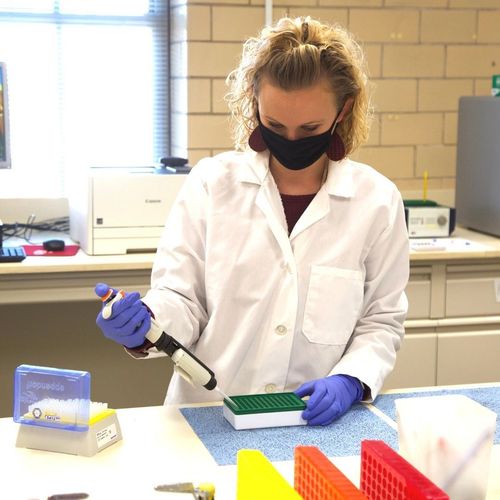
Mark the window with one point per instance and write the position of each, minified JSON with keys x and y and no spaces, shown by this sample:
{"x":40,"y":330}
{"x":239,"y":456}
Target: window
{"x":88,"y":86}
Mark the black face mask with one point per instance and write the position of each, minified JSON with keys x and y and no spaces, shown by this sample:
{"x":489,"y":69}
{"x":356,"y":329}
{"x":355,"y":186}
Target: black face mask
{"x":297,"y":154}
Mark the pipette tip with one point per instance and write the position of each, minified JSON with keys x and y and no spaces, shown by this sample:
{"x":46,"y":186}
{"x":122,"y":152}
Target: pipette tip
{"x":225,"y":396}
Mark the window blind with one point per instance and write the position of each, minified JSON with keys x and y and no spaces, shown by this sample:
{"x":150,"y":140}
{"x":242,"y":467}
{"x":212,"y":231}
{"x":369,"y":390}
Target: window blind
{"x":88,"y":85}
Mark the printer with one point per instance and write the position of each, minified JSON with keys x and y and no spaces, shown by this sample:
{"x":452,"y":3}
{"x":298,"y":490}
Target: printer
{"x":122,"y":210}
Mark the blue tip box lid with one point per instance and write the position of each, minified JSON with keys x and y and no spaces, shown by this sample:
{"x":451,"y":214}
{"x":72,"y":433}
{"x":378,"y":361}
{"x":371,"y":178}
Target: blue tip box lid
{"x":52,"y":397}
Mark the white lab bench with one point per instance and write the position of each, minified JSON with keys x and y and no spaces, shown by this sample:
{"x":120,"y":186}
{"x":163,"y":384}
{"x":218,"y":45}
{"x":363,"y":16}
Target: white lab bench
{"x":453,"y":324}
{"x":433,"y":280}
{"x":48,"y":310}
{"x":158,"y":447}
{"x":61,"y":279}
{"x":452,"y":330}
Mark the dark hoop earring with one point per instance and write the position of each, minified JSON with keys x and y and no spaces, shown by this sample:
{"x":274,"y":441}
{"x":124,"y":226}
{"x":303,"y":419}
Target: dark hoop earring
{"x":256,"y":141}
{"x":336,"y":148}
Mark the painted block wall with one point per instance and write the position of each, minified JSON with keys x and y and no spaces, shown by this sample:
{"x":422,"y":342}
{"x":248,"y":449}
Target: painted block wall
{"x":422,"y":56}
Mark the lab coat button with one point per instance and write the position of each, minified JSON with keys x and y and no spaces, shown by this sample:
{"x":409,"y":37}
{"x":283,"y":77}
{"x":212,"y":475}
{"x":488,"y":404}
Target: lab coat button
{"x":270,"y":388}
{"x":281,"y":329}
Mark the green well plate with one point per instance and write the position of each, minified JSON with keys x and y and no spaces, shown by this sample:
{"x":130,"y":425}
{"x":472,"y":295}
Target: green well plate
{"x":265,"y":403}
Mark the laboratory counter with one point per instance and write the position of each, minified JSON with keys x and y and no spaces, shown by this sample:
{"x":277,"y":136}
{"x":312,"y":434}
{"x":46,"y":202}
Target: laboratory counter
{"x":47,"y":279}
{"x":463,"y":244}
{"x":165,"y":445}
{"x":48,"y":309}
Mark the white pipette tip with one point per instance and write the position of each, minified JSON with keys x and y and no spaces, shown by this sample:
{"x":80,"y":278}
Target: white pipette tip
{"x":220,"y":391}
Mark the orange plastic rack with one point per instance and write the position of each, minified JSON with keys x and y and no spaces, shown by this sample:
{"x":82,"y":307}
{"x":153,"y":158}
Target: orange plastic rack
{"x":316,"y":478}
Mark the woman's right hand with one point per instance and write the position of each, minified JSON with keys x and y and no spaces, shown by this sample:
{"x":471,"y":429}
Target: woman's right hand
{"x":129,"y":320}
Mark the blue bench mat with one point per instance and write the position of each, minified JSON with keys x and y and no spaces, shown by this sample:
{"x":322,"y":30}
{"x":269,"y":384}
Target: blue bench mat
{"x":342,"y":438}
{"x":487,"y":396}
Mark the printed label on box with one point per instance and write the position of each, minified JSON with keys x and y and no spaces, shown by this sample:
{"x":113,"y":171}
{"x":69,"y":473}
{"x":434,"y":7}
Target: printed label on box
{"x":106,"y":435}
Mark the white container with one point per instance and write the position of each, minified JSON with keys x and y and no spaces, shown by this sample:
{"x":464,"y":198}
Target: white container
{"x":263,"y":420}
{"x":449,"y":439}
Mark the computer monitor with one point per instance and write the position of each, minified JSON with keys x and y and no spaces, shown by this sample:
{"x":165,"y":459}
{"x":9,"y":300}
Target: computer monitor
{"x":4,"y":120}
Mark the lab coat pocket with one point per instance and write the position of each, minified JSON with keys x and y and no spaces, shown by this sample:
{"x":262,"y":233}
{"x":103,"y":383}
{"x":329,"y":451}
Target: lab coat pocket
{"x":333,"y":303}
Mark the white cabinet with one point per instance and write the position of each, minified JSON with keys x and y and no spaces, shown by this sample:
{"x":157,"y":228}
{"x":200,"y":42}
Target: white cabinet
{"x":453,"y":323}
{"x":415,"y":362}
{"x":468,"y":357}
{"x":472,"y":290}
{"x":418,"y":292}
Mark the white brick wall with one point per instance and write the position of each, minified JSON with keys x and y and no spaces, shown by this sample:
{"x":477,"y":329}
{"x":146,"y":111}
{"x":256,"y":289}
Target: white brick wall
{"x":422,"y":56}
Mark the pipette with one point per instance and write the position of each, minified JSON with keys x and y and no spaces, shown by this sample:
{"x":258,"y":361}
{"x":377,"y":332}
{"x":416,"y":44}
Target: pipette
{"x":186,"y":364}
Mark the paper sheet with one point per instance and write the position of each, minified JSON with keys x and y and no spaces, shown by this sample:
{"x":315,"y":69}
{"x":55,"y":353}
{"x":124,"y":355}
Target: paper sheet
{"x":445,"y":244}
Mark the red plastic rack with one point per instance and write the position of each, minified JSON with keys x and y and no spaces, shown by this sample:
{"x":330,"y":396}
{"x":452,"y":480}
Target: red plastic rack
{"x":316,"y":478}
{"x":386,"y":475}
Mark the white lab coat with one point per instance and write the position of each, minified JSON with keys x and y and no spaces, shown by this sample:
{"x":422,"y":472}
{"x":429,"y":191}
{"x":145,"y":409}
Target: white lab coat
{"x":267,"y":311}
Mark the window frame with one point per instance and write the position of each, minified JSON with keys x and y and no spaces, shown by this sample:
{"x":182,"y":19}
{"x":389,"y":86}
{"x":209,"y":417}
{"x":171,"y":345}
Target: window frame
{"x":158,"y":19}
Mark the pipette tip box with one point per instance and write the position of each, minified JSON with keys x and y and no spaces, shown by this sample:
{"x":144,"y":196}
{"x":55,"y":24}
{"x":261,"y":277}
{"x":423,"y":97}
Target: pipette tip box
{"x":257,"y":411}
{"x":55,"y":412}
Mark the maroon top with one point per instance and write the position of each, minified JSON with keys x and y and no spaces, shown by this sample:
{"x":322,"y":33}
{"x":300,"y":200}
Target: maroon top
{"x":295,"y":205}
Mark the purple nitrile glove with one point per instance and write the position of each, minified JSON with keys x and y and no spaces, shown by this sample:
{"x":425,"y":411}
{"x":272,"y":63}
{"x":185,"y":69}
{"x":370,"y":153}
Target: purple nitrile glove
{"x":129,"y":322}
{"x":330,"y":398}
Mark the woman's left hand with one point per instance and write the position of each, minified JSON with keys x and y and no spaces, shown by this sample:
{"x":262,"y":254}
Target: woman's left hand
{"x":330,"y":397}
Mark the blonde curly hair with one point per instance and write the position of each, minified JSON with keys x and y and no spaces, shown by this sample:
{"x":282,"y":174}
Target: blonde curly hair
{"x":294,"y":54}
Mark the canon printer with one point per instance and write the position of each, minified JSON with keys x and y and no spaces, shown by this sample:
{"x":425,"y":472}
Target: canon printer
{"x":122,"y":210}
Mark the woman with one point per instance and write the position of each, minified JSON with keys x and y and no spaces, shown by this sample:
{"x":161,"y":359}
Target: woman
{"x":283,"y":265}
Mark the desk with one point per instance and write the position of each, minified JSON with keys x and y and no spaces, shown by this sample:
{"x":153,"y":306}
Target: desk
{"x":158,"y":446}
{"x":53,"y":279}
{"x":453,"y":325}
{"x":56,"y":279}
{"x":48,"y":310}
